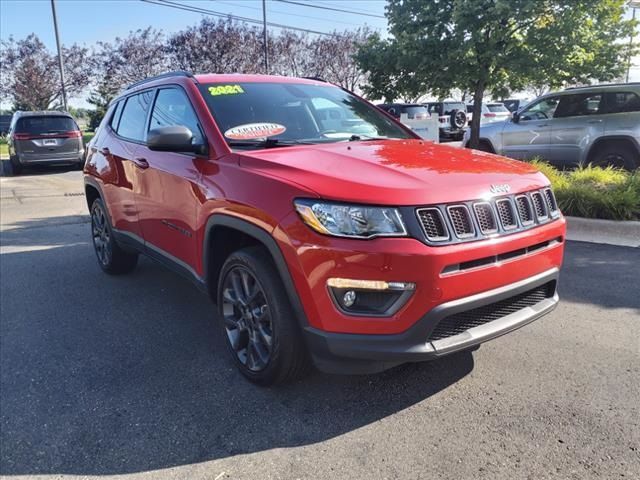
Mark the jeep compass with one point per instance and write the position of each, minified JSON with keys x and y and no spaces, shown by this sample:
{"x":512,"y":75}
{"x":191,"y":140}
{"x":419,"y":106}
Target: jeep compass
{"x":325,"y":232}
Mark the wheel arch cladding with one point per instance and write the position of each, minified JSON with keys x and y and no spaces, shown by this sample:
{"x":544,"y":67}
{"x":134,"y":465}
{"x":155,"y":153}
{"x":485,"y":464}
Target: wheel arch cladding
{"x":225,"y":234}
{"x":615,"y":139}
{"x":91,"y":193}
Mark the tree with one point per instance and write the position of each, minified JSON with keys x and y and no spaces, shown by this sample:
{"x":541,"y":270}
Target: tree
{"x":222,"y":46}
{"x":334,"y":56}
{"x":493,"y":45}
{"x":115,"y":65}
{"x":30,"y":76}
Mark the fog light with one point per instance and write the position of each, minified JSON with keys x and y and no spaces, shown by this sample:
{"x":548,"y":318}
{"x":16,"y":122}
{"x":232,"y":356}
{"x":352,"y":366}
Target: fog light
{"x":377,"y":298}
{"x":349,"y":298}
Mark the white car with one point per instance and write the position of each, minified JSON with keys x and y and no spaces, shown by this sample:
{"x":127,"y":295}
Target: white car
{"x":491,"y":112}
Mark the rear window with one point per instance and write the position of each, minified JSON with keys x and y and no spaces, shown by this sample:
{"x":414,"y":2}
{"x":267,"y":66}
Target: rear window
{"x":449,"y":107}
{"x":416,"y":112}
{"x":45,"y":124}
{"x":497,"y":108}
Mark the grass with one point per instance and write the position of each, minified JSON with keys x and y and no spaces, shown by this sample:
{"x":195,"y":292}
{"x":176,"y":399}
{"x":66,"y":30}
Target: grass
{"x":596,"y":192}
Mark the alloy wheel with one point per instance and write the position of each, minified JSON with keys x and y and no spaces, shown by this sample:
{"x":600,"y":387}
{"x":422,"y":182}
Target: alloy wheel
{"x":101,"y":235}
{"x":247,"y":318}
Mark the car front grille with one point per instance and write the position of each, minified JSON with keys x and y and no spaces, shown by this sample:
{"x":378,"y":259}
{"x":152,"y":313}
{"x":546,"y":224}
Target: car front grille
{"x":461,"y":322}
{"x":476,"y":220}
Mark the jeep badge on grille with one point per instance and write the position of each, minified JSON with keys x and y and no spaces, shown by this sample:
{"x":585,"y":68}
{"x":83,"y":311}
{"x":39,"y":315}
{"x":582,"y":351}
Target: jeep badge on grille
{"x":501,"y":188}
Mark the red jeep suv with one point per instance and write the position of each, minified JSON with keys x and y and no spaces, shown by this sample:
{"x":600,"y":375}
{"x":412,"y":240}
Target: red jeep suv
{"x":326,"y":232}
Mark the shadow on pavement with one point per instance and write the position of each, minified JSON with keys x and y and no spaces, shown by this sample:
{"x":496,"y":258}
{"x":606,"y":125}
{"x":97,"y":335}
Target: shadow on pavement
{"x":112,"y":375}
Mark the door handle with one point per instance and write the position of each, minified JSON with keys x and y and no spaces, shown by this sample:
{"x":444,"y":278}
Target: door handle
{"x":140,"y":162}
{"x":595,"y":121}
{"x":543,"y":125}
{"x":105,"y":151}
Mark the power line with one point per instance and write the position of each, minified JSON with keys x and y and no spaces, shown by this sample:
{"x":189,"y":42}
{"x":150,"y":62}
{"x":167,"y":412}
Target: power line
{"x":213,"y":13}
{"x":280,"y":12}
{"x":324,"y":7}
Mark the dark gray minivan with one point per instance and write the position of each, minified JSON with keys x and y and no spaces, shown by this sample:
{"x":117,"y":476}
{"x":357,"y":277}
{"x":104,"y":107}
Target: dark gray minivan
{"x":50,"y":137}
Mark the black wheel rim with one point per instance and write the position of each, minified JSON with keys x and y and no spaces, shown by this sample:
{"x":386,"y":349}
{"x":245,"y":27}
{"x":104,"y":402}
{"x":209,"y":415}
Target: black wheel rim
{"x":101,"y":235}
{"x":247,"y":319}
{"x":614,"y":160}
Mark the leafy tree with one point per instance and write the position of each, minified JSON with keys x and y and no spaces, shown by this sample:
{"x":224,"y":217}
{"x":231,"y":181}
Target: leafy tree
{"x":30,"y":77}
{"x":115,"y":65}
{"x":493,"y":45}
{"x":222,"y":46}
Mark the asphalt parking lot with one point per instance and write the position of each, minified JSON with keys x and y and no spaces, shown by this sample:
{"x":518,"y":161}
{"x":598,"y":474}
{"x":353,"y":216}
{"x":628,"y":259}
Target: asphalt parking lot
{"x":125,"y":376}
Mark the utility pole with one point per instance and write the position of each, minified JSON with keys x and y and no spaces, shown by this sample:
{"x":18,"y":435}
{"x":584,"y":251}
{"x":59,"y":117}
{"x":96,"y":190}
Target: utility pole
{"x":633,"y":4}
{"x":264,"y":34}
{"x":60,"y":62}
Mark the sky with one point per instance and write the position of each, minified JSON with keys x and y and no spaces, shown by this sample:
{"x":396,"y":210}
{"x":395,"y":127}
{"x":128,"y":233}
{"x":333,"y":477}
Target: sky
{"x":88,"y":21}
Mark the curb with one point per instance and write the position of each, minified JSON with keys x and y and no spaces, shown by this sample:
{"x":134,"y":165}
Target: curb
{"x":611,"y":232}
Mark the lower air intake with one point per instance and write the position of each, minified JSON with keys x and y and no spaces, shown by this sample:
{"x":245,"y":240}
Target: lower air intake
{"x":461,"y":322}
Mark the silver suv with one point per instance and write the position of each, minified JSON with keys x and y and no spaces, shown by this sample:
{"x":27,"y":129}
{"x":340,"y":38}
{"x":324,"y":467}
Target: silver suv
{"x":598,"y":124}
{"x":48,"y":137}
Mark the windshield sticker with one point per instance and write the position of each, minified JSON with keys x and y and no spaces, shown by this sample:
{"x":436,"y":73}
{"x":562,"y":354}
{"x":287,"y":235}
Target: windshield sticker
{"x":225,"y":90}
{"x":255,"y":131}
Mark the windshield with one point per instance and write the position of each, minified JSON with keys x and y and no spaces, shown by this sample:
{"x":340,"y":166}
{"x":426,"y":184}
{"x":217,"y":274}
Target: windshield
{"x":248,"y":114}
{"x":45,"y":124}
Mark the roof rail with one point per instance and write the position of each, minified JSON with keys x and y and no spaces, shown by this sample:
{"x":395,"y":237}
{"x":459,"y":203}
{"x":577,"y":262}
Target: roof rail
{"x":622,"y":84}
{"x":177,"y":73}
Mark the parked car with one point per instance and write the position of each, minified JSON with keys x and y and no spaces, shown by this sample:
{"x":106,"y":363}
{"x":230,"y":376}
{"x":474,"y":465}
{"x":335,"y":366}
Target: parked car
{"x":452,"y":117}
{"x":44,"y":138}
{"x":491,"y":112}
{"x":355,"y":250}
{"x":413,"y":110}
{"x":598,"y":125}
{"x":515,"y":104}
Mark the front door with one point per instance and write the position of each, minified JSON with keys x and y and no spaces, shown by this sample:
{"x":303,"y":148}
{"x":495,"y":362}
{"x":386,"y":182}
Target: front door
{"x":530,"y":137}
{"x":167,"y":185}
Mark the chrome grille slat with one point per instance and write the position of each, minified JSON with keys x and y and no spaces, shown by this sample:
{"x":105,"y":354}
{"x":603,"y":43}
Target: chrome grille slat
{"x":433,"y":224}
{"x":539,"y":205}
{"x":485,"y":217}
{"x":461,"y":220}
{"x":506,"y":213}
{"x":525,"y":210}
{"x":445,"y":224}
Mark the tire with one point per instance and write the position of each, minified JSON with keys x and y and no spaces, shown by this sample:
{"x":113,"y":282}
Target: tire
{"x":458,"y":119}
{"x":617,"y":154}
{"x":16,"y":166}
{"x":485,"y":146}
{"x":111,"y":257}
{"x":258,"y":323}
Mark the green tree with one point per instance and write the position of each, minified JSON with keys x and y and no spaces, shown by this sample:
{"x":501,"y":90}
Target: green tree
{"x":494,"y":45}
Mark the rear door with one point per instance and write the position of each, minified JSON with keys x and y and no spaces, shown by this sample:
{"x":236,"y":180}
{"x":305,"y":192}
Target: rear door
{"x":578,"y":119}
{"x":167,"y":185}
{"x":116,"y":161}
{"x":531,"y":137}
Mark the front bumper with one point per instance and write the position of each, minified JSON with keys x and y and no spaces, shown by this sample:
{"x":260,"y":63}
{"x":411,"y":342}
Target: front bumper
{"x":355,"y":353}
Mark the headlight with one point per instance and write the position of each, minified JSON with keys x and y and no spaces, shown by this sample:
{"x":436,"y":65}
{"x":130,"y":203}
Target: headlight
{"x":355,"y":221}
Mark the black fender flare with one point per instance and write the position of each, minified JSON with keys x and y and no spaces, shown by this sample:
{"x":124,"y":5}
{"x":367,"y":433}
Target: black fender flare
{"x":264,"y":238}
{"x":600,"y":140}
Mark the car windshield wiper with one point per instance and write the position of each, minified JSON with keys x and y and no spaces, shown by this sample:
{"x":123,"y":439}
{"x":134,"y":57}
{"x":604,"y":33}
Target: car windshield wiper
{"x":364,"y":138}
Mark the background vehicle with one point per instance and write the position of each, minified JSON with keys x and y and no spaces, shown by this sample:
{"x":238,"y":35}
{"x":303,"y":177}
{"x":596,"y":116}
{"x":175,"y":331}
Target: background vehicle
{"x":452,"y":118}
{"x":48,"y":137}
{"x":356,"y":249}
{"x":599,"y":124}
{"x":515,"y":104}
{"x":491,"y":112}
{"x":413,"y":110}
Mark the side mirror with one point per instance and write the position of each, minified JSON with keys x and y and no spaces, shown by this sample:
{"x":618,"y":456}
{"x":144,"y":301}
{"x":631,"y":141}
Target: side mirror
{"x":175,"y":138}
{"x":515,"y":116}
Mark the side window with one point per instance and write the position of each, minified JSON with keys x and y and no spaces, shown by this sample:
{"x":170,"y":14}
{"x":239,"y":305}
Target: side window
{"x":172,"y":107}
{"x":134,"y":116}
{"x":622,"y":102}
{"x":541,"y":110}
{"x":578,"y":105}
{"x":115,"y":118}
